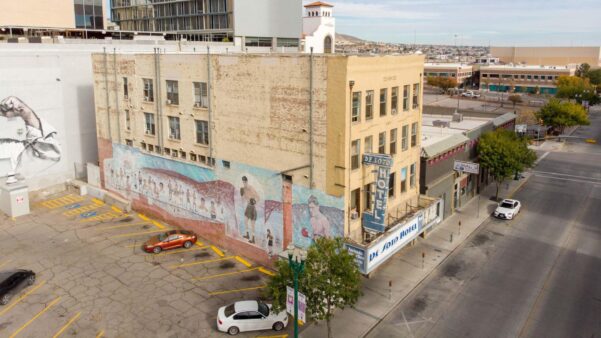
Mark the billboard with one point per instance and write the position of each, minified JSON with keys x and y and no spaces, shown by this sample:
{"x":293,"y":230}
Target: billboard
{"x":376,"y":220}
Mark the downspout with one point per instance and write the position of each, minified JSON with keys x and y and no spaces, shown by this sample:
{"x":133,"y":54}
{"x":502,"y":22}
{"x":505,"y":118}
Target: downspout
{"x":157,"y":97}
{"x":348,"y":158}
{"x":106,"y":87}
{"x":311,"y":181}
{"x":209,"y":104}
{"x":117,"y":96}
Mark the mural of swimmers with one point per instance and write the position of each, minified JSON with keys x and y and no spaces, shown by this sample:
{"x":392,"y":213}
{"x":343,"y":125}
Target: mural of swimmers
{"x":247,"y":200}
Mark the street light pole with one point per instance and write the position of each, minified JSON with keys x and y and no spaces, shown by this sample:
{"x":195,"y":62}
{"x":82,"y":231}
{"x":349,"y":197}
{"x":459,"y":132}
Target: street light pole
{"x":297,"y":264}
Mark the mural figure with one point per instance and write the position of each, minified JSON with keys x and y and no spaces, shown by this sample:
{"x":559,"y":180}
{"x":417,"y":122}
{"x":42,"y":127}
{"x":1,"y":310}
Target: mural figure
{"x":319,"y":222}
{"x":250,"y":195}
{"x":269,"y":243}
{"x":39,"y":140}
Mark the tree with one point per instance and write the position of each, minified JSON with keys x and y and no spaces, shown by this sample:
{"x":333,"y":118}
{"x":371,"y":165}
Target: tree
{"x":576,"y":88}
{"x":444,"y":83}
{"x":560,"y":114}
{"x":331,"y":280}
{"x":504,"y":154}
{"x":515,"y":99}
{"x":583,"y":69}
{"x":594,"y":76}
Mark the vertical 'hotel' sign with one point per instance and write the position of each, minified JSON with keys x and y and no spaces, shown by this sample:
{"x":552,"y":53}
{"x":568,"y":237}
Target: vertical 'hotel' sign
{"x":375,"y":221}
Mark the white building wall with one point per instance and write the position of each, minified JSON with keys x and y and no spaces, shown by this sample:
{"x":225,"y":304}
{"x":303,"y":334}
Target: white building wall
{"x":268,"y":18}
{"x":315,"y":30}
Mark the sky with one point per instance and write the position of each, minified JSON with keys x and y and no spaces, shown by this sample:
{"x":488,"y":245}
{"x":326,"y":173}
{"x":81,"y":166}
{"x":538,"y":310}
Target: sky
{"x":472,"y":22}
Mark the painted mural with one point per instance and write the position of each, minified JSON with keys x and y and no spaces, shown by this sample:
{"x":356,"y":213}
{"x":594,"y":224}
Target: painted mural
{"x":247,"y":200}
{"x":25,"y":136}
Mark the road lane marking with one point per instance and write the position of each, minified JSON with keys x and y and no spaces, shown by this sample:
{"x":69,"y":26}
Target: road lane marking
{"x":568,"y":179}
{"x":35,"y":317}
{"x":74,"y":318}
{"x":116,"y":209}
{"x":133,"y":234}
{"x":236,"y":290}
{"x":276,"y":336}
{"x":542,"y":157}
{"x":100,"y":334}
{"x":200,"y":244}
{"x":567,"y":175}
{"x":201,"y":262}
{"x":22,"y":297}
{"x":200,"y":278}
{"x":266,"y":271}
{"x":62,"y":201}
{"x":102,"y":217}
{"x":217,"y":251}
{"x":243,"y":261}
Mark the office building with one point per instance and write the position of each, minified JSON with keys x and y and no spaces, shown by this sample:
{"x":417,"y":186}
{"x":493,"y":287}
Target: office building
{"x":522,"y":79}
{"x":548,"y":56}
{"x":462,"y":73}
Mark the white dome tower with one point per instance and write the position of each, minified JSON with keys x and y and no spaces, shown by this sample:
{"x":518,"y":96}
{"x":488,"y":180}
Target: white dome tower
{"x":319,"y":28}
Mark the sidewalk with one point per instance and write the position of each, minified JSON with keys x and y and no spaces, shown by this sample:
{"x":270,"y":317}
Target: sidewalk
{"x":404,"y":270}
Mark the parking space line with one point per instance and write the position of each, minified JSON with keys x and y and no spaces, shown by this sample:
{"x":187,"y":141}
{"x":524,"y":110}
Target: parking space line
{"x":237,"y":290}
{"x":276,"y":336}
{"x":200,"y":278}
{"x":200,"y":244}
{"x":217,"y":251}
{"x":22,"y":297}
{"x":74,"y":318}
{"x":120,"y":226}
{"x":171,"y":252}
{"x":100,"y":334}
{"x":62,"y":201}
{"x":116,"y":209}
{"x":81,"y":210}
{"x":35,"y":317}
{"x":102,"y":217}
{"x":243,"y":261}
{"x":97,"y":201}
{"x":142,"y":216}
{"x":201,"y":262}
{"x":266,"y":271}
{"x":158,"y":225}
{"x":133,"y":234}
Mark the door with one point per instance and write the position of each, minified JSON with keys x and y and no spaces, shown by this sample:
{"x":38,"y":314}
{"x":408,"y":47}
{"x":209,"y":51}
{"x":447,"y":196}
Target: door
{"x":256,"y":321}
{"x":171,"y":241}
{"x":241,"y":321}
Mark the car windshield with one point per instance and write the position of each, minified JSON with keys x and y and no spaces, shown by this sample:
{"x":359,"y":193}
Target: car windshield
{"x":229,"y":310}
{"x":264,"y":309}
{"x":507,"y":205}
{"x":163,"y":237}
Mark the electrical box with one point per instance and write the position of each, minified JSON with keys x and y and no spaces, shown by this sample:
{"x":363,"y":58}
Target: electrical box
{"x":14,"y":198}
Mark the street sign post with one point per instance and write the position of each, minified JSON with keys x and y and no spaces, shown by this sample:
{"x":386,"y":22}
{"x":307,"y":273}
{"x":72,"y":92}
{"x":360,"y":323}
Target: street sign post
{"x":302,"y":304}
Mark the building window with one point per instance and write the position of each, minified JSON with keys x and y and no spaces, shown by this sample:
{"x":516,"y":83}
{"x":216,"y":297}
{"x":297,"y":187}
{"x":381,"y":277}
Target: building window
{"x":382,"y":143}
{"x":404,"y":135}
{"x":182,"y":154}
{"x":356,"y":200}
{"x":148,"y":90}
{"x":355,"y":151}
{"x":201,"y":95}
{"x":253,"y":41}
{"x":383,"y":100}
{"x":174,"y":153}
{"x":391,"y":185}
{"x":356,"y":111}
{"x":394,"y":100}
{"x":412,"y":176}
{"x":150,"y":147}
{"x":127,"y":120}
{"x":125,"y":88}
{"x":369,"y":190}
{"x":172,"y":92}
{"x":414,"y":134}
{"x":202,"y":132}
{"x":131,"y":143}
{"x":403,"y":180}
{"x":393,"y":137}
{"x":149,"y":122}
{"x":167,"y":151}
{"x":226,"y":164}
{"x":415,"y":95}
{"x":157,"y":149}
{"x":174,"y":131}
{"x":369,"y":105}
{"x":287,"y":42}
{"x":406,"y":97}
{"x":368,"y":146}
{"x":192,"y":157}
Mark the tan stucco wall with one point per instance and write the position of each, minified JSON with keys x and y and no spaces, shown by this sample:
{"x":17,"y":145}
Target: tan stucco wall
{"x":36,"y":13}
{"x":548,"y":56}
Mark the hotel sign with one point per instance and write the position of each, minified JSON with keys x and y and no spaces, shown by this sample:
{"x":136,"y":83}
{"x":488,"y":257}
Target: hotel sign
{"x":375,"y":220}
{"x":468,"y":167}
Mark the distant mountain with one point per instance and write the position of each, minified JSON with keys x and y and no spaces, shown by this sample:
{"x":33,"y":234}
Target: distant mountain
{"x":348,"y":39}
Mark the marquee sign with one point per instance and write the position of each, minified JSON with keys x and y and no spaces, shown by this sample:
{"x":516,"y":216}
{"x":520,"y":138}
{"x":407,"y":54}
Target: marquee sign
{"x":375,"y":220}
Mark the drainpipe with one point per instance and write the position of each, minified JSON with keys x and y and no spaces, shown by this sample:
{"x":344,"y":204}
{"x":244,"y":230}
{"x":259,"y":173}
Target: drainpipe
{"x":117,"y":96}
{"x":106,"y":87}
{"x":157,"y":96}
{"x":311,"y":181}
{"x":209,"y":104}
{"x":351,"y":84}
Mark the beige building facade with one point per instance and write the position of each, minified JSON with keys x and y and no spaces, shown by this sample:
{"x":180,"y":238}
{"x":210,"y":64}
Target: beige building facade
{"x":522,"y":79}
{"x":248,"y":148}
{"x":548,"y":56}
{"x":35,"y":13}
{"x":460,"y":72}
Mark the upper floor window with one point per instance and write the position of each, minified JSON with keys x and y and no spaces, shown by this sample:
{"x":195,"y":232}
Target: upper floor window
{"x":394,"y":100}
{"x":393,"y":137}
{"x":356,"y":109}
{"x":174,"y":130}
{"x":406,"y":97}
{"x":415,"y":95}
{"x":172,"y":92}
{"x":149,"y":123}
{"x":369,"y":105}
{"x":355,"y":153}
{"x":202,"y":132}
{"x":201,"y":95}
{"x":148,"y":90}
{"x":125,"y":88}
{"x":414,"y":134}
{"x":368,"y":145}
{"x":383,"y":100}
{"x":382,"y":143}
{"x":404,"y":137}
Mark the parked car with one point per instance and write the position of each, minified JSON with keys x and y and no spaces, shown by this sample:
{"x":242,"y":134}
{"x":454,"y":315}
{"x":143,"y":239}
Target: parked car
{"x":508,"y":209}
{"x":13,"y":281}
{"x":471,"y":94}
{"x":170,"y":240}
{"x":249,"y":315}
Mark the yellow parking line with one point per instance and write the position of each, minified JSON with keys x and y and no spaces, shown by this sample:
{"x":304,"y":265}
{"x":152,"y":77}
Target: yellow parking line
{"x":67,"y":325}
{"x":121,"y":226}
{"x":116,"y":209}
{"x":81,"y":210}
{"x":276,"y":336}
{"x":200,"y":244}
{"x":101,"y":217}
{"x":142,"y":216}
{"x":133,"y":234}
{"x":97,"y":201}
{"x":201,"y":262}
{"x":35,"y":317}
{"x":243,"y":261}
{"x":62,"y":201}
{"x":22,"y":297}
{"x":158,"y":225}
{"x":217,"y":251}
{"x":236,"y":290}
{"x":199,"y":278}
{"x":100,"y":334}
{"x":266,"y":271}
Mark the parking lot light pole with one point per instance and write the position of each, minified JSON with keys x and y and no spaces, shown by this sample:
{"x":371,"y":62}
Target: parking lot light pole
{"x":296,"y":261}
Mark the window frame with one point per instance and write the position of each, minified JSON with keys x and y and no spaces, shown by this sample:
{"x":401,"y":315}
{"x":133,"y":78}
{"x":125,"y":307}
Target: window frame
{"x":414,"y":132}
{"x":175,"y":131}
{"x":203,"y":132}
{"x":148,"y":90}
{"x":369,"y":105}
{"x":149,"y":124}
{"x":383,"y":101}
{"x":394,"y":100}
{"x":405,"y":137}
{"x":406,"y":97}
{"x":355,"y":153}
{"x":412,"y":169}
{"x":172,"y":87}
{"x":415,"y":96}
{"x":382,"y":143}
{"x":356,"y":107}
{"x":393,"y":141}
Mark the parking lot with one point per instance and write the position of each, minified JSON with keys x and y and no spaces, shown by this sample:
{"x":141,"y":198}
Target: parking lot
{"x":94,"y":280}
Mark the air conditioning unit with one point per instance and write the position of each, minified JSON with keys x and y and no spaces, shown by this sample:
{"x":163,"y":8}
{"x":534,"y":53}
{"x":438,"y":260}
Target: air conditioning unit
{"x":146,"y":98}
{"x":168,"y":101}
{"x":147,"y":131}
{"x":354,"y":214}
{"x":393,"y":111}
{"x":197,"y":105}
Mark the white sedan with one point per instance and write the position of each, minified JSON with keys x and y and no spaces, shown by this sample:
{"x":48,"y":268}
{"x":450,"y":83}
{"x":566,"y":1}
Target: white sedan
{"x":249,"y":315}
{"x":470,"y":94}
{"x":508,"y":209}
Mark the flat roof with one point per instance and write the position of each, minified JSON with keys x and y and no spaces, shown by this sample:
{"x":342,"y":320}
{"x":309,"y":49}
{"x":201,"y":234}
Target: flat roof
{"x":446,"y":65}
{"x":432,"y":135}
{"x":525,"y":67}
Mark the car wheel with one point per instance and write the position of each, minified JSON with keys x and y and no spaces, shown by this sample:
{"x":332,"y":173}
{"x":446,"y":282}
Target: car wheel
{"x":157,"y":249}
{"x":278,"y":326}
{"x":233,"y":330}
{"x":4,"y":300}
{"x":31,"y":280}
{"x":187,"y":244}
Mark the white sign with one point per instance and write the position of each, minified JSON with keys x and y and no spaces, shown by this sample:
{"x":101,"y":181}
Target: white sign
{"x":302,"y":304}
{"x":393,"y":242}
{"x":290,"y":300}
{"x":468,"y":167}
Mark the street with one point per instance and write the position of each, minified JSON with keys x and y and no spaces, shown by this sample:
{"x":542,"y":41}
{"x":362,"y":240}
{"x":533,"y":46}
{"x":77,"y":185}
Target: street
{"x":538,"y":275}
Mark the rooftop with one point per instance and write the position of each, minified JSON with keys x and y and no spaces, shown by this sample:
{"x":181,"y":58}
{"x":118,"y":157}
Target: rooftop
{"x":432,"y":135}
{"x":318,"y":4}
{"x":525,"y":67}
{"x":446,"y":65}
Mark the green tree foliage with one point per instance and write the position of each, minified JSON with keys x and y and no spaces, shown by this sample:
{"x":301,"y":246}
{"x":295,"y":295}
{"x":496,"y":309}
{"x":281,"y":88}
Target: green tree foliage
{"x":515,"y":99}
{"x":504,"y":154}
{"x":331,"y":280}
{"x":576,"y":88}
{"x":561,"y":114}
{"x":583,"y":69}
{"x":444,"y":83}
{"x":594,"y":77}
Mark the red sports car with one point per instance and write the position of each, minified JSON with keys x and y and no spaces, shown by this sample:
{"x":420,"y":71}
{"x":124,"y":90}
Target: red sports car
{"x":170,"y":240}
